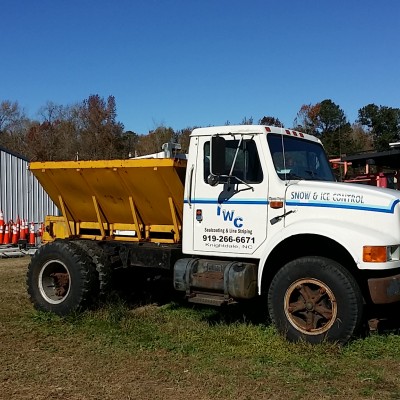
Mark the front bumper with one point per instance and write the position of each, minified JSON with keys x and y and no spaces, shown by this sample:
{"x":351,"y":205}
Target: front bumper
{"x":384,"y":290}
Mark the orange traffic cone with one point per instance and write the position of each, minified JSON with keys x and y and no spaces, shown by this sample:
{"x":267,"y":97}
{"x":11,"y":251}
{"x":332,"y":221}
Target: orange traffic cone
{"x":6,"y":239}
{"x":26,"y":229}
{"x":32,"y":240}
{"x":1,"y":227}
{"x":39,"y":233}
{"x":18,"y":227}
{"x":14,"y":238}
{"x":22,"y":232}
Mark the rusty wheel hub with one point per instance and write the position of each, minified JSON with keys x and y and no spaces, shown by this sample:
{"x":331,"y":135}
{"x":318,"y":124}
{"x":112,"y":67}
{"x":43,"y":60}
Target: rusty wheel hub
{"x":61,"y":283}
{"x":54,"y":281}
{"x":310,"y":306}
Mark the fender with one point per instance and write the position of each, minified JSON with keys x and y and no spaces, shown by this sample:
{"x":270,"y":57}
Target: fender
{"x":351,"y":235}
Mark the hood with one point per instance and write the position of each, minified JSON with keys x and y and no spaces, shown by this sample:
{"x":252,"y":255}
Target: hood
{"x":342,"y":195}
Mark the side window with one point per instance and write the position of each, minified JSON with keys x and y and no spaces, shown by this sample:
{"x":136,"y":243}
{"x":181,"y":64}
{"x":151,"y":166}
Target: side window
{"x":206,"y":160}
{"x":246,"y":167}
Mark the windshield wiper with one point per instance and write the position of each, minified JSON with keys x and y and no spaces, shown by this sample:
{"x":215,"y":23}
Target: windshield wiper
{"x":315,"y":176}
{"x":290,"y":176}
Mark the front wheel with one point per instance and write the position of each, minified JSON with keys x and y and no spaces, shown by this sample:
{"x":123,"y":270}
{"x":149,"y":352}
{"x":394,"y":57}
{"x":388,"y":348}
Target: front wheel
{"x":315,"y":299}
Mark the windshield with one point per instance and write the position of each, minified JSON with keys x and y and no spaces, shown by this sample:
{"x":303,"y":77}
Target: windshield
{"x":296,"y":158}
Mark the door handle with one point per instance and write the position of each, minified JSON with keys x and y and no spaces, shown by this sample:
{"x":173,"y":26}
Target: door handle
{"x":190,"y":186}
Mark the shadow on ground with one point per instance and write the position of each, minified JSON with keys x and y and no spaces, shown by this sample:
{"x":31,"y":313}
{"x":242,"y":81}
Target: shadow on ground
{"x":149,"y":288}
{"x":385,"y":319}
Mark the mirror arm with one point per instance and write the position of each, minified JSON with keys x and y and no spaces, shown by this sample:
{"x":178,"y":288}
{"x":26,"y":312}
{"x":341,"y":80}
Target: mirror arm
{"x":244,"y":183}
{"x":236,"y":154}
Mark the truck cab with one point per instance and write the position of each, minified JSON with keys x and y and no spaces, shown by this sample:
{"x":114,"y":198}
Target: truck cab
{"x":236,"y":186}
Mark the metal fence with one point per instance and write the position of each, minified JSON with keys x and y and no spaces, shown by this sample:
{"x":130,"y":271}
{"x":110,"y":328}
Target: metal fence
{"x":21,"y":195}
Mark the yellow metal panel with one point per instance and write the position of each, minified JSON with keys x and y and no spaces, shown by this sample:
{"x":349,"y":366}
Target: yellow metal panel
{"x":115,"y":185}
{"x":54,"y":228}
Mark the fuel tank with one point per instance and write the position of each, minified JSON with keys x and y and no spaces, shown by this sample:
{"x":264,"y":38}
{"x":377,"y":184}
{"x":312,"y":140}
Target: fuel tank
{"x":233,"y":279}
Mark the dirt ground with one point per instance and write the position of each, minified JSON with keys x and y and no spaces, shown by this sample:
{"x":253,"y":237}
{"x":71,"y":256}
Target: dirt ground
{"x":37,"y":365}
{"x":40,"y":364}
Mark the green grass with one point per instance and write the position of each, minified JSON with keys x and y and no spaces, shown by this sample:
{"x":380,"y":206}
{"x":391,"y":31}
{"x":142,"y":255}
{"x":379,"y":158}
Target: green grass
{"x":255,"y":352}
{"x":178,"y":351}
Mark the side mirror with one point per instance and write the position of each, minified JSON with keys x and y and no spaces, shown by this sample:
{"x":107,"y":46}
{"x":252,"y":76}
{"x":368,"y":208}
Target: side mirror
{"x":217,"y":162}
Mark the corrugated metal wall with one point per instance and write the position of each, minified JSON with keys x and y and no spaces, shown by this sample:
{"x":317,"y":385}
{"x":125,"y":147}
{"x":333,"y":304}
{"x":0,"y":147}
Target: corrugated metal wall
{"x":21,"y":195}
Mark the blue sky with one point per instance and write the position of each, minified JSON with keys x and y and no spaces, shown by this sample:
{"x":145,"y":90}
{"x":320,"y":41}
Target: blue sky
{"x":184,"y":63}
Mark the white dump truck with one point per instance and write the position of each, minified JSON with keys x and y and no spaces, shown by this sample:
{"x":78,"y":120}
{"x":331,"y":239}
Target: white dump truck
{"x":252,"y":211}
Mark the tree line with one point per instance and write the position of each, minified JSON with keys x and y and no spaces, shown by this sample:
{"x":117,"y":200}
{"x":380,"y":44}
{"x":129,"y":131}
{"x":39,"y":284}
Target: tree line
{"x":89,"y":130}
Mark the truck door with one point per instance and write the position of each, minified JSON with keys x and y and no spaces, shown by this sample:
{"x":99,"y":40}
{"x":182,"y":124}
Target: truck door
{"x":230,"y":216}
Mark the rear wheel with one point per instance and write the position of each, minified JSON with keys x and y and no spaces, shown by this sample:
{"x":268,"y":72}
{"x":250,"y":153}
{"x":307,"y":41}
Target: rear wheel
{"x":315,"y":299}
{"x":61,"y":278}
{"x":101,"y":262}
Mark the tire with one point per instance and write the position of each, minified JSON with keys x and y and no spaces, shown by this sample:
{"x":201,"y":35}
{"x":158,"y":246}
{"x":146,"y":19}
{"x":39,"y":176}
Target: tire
{"x":315,"y":299}
{"x":61,"y":278}
{"x":102,"y":264}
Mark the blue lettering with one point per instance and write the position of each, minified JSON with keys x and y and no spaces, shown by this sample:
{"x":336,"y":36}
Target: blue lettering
{"x":301,"y":195}
{"x":238,"y":222}
{"x":227,"y":215}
